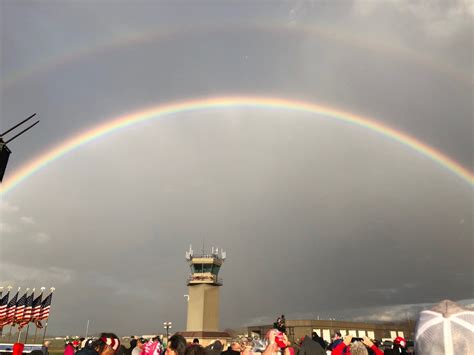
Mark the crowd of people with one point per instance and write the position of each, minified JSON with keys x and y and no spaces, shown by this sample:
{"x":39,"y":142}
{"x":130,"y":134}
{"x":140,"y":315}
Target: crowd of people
{"x":447,"y":328}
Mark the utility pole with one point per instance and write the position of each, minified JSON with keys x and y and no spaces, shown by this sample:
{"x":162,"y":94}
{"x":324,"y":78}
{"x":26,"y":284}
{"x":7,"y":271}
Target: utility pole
{"x":167,"y":326}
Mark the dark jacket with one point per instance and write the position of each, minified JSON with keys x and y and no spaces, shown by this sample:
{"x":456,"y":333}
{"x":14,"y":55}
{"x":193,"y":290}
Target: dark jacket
{"x":396,"y":350}
{"x":320,"y":341}
{"x":229,"y":351}
{"x":86,"y":351}
{"x":310,"y":347}
{"x":214,"y":348}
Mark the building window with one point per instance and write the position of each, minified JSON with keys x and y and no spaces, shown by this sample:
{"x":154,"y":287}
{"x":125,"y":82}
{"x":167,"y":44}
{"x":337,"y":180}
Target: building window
{"x":400,"y":334}
{"x":353,"y":332}
{"x":393,"y":334}
{"x":343,"y":332}
{"x":362,"y":333}
{"x":317,"y":331}
{"x":371,"y":334}
{"x":326,"y":334}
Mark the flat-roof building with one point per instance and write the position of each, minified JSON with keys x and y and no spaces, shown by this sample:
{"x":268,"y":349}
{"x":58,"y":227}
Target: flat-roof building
{"x":296,"y":329}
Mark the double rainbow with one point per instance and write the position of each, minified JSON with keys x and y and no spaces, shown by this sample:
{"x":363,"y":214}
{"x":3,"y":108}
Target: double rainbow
{"x":231,"y":101}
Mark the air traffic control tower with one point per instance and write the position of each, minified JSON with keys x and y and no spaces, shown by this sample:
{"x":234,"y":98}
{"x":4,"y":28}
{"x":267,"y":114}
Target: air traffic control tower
{"x":204,"y":296}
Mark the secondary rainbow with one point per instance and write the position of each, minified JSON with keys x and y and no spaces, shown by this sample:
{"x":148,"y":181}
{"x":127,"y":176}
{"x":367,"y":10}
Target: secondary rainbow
{"x":155,"y":35}
{"x":231,"y":101}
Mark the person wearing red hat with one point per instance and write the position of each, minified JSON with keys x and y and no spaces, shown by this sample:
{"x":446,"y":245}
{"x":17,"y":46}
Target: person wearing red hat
{"x":399,"y":347}
{"x":107,"y":344}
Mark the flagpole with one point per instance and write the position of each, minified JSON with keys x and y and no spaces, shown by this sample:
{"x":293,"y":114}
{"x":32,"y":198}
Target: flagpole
{"x":1,"y":328}
{"x":19,"y":335}
{"x":29,"y":316}
{"x":36,"y":332}
{"x":36,"y":328}
{"x":10,"y":333}
{"x":87,"y":328}
{"x":9,"y":289}
{"x":27,"y":329}
{"x":13,"y":319}
{"x":45,"y":327}
{"x":47,"y":319}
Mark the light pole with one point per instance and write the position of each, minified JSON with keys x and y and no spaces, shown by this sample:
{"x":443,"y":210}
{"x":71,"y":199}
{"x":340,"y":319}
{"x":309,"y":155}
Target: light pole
{"x":167,"y":326}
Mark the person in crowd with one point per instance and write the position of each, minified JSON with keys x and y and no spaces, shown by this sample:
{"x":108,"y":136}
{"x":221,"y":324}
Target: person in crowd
{"x":315,"y":336}
{"x":45,"y":347}
{"x":68,"y":348}
{"x":347,"y":347}
{"x":153,"y":347}
{"x":310,"y":347}
{"x":106,"y":344}
{"x":277,"y":343}
{"x":176,"y":345}
{"x":447,"y":328}
{"x":87,"y":348}
{"x":133,"y":344}
{"x":246,"y":346}
{"x":122,"y":350}
{"x":336,"y":340}
{"x":139,"y":347}
{"x":215,"y":348}
{"x":195,"y":341}
{"x":233,"y":349}
{"x":399,"y":347}
{"x":194,"y":349}
{"x":280,"y":324}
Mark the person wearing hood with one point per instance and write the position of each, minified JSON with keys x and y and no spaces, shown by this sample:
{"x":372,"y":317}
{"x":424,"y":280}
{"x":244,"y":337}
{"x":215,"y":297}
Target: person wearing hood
{"x":310,"y":347}
{"x":319,"y":340}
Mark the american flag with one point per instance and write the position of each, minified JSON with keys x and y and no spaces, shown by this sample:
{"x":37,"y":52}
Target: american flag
{"x":46,"y":307}
{"x":11,"y":307}
{"x":20,"y":308}
{"x":28,"y":310}
{"x":36,"y":307}
{"x":3,"y":306}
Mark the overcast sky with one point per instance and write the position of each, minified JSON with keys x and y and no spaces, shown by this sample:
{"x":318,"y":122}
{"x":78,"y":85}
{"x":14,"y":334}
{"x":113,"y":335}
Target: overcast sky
{"x":318,"y":217}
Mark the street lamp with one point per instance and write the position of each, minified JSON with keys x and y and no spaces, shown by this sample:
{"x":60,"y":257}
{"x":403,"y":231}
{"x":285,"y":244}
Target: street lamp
{"x":167,"y":326}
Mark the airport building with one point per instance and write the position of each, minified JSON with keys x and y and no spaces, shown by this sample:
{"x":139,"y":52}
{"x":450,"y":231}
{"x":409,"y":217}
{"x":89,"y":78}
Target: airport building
{"x":296,"y":329}
{"x":203,"y":297}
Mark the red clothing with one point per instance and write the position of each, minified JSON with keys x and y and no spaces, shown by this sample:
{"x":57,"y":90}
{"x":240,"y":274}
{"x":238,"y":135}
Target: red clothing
{"x":18,"y":348}
{"x":69,"y":350}
{"x":339,"y":350}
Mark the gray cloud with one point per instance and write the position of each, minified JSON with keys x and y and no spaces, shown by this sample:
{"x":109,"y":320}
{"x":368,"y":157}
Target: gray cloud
{"x":27,"y":220}
{"x":318,"y":216}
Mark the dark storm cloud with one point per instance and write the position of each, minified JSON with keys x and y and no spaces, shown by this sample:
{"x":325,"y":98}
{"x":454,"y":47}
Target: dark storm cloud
{"x":318,"y":217}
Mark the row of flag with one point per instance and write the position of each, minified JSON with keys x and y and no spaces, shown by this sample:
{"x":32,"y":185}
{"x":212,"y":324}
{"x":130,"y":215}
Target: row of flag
{"x":24,"y":309}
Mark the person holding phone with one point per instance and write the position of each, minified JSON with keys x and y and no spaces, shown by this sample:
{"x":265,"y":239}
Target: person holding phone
{"x":348,"y":347}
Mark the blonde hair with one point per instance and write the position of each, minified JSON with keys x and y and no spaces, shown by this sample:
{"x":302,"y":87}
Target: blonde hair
{"x":357,"y":348}
{"x":245,"y":342}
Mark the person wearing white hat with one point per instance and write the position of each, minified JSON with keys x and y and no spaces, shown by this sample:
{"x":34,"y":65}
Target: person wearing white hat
{"x":445,"y":329}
